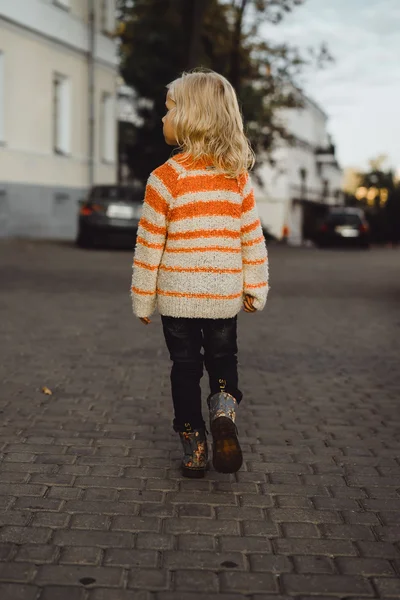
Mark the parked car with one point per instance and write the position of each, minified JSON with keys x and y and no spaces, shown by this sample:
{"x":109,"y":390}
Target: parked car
{"x":109,"y":215}
{"x":344,"y":226}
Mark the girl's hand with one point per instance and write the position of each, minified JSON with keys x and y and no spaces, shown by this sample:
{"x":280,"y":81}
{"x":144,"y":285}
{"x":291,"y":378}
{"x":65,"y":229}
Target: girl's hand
{"x":248,"y":304}
{"x":145,"y":320}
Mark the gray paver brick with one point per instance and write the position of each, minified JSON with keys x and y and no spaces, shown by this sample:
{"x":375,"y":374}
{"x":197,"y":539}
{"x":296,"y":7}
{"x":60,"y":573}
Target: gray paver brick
{"x":80,"y":555}
{"x":315,"y":547}
{"x":365,"y":566}
{"x":252,"y":583}
{"x":36,"y":553}
{"x":102,"y":539}
{"x":130,"y":558}
{"x":192,"y":580}
{"x":112,"y":594}
{"x":203,"y":560}
{"x":14,"y":591}
{"x":331,"y":585}
{"x":17,"y":572}
{"x":72,"y":574}
{"x":55,"y":592}
{"x":21,"y":535}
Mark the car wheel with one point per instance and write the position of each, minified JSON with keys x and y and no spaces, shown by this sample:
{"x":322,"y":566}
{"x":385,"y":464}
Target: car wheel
{"x":365,"y":245}
{"x":83,"y":240}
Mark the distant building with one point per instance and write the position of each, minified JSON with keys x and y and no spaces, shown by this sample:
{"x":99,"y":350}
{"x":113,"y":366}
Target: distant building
{"x":58,"y":71}
{"x":304,"y":178}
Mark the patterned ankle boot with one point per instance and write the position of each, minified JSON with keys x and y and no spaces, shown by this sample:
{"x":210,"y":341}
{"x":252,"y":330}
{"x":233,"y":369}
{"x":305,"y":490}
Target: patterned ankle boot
{"x":195,"y":452}
{"x":227,"y":454}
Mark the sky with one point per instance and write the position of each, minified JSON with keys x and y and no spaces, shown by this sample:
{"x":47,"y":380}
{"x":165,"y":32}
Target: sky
{"x":360,"y":92}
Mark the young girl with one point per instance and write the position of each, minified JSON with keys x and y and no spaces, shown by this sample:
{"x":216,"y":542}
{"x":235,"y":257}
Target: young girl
{"x":201,"y":257}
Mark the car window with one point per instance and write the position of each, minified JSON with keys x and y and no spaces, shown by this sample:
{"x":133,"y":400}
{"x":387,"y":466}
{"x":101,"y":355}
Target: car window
{"x":344,"y":219}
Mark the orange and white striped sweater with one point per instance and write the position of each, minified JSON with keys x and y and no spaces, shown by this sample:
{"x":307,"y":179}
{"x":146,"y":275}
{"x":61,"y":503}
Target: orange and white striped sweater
{"x":200,"y":246}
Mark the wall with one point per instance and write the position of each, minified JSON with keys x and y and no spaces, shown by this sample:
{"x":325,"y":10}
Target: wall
{"x":40,"y":190}
{"x":282,"y":183}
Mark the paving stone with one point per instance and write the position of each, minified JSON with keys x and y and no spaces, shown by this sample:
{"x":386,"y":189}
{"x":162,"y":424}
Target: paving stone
{"x":388,"y":588}
{"x":257,"y":528}
{"x":191,"y":580}
{"x":80,"y":555}
{"x":315,"y":547}
{"x":331,"y":585}
{"x":36,"y":553}
{"x":110,"y":594}
{"x":240,"y":513}
{"x":135,"y":524}
{"x":54,"y":520}
{"x":71,"y":575}
{"x":313,"y":564}
{"x":17,"y":572}
{"x":300,"y":530}
{"x":155,"y":541}
{"x":365,"y":566}
{"x":14,"y":591}
{"x":348,"y":532}
{"x":5,"y":551}
{"x":101,"y":539}
{"x":205,"y":526}
{"x":85,"y":521}
{"x":130,"y":558}
{"x":270,"y":563}
{"x":15,"y":518}
{"x":203,"y":560}
{"x":196,"y":542}
{"x":245,"y":544}
{"x":252,"y":583}
{"x":378,"y":550}
{"x":55,"y":592}
{"x":21,"y":535}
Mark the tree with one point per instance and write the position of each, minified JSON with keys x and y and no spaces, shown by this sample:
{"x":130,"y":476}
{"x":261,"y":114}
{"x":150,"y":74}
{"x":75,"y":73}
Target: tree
{"x":161,"y":38}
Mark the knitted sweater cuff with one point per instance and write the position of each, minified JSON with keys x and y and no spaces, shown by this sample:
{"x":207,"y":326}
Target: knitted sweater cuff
{"x":143,"y":306}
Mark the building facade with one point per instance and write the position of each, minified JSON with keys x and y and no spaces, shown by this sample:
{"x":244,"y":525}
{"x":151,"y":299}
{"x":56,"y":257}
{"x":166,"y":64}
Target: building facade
{"x":58,"y":71}
{"x":303,"y":179}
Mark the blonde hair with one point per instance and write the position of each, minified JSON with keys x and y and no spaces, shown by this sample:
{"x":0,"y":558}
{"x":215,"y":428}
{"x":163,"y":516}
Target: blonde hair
{"x":208,"y":122}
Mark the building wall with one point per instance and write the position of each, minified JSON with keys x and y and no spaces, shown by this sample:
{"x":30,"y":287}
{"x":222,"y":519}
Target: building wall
{"x":40,"y":189}
{"x":282,"y":185}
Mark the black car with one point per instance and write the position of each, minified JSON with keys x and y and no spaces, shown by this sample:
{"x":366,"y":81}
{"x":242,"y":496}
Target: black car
{"x":109,"y":215}
{"x":344,"y":227}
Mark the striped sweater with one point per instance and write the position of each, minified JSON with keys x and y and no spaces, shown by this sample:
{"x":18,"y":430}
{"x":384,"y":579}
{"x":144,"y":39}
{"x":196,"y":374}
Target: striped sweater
{"x":200,"y":246}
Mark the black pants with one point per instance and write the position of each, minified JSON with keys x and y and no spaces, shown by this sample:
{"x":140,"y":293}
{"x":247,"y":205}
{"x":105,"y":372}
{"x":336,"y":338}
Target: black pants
{"x":185,"y":339}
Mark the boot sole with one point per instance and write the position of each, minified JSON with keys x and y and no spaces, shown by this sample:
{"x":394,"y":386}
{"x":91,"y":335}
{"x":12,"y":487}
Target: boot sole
{"x":227,"y":454}
{"x":193,"y":473}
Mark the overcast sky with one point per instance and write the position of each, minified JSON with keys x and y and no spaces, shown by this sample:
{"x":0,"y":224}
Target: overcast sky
{"x":361,"y":91}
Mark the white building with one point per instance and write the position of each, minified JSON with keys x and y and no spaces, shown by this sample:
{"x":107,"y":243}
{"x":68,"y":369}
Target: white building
{"x":304,"y":179}
{"x":58,"y":69}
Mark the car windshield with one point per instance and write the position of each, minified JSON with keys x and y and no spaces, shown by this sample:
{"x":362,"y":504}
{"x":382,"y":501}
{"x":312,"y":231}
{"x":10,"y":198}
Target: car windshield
{"x":344,"y":219}
{"x":109,"y":193}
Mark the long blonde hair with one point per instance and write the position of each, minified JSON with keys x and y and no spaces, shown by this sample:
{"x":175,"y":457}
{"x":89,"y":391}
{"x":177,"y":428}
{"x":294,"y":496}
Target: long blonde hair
{"x":208,"y":122}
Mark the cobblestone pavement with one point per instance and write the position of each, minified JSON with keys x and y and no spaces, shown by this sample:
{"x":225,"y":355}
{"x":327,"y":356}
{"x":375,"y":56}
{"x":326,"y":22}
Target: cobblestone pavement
{"x":92,"y":506}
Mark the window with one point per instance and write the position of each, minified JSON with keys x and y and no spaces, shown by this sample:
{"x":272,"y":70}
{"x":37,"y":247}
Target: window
{"x":108,"y":128}
{"x":66,"y":4}
{"x":61,"y":114}
{"x":2,"y":97}
{"x":108,"y":16}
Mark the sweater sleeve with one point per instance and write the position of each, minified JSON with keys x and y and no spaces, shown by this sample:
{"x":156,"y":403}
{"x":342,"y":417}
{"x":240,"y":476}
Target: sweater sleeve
{"x":254,"y":250}
{"x":150,"y":242}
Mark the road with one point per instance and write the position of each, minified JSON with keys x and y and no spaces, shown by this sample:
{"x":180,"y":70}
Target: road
{"x":92,"y":506}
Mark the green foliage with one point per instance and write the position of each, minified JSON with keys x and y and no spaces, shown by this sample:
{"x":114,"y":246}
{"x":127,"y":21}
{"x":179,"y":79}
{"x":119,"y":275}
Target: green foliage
{"x":162,"y":38}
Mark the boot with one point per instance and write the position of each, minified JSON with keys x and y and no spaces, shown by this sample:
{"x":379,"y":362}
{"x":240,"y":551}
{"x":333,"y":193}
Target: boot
{"x":227,"y":454}
{"x":195,"y":450}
